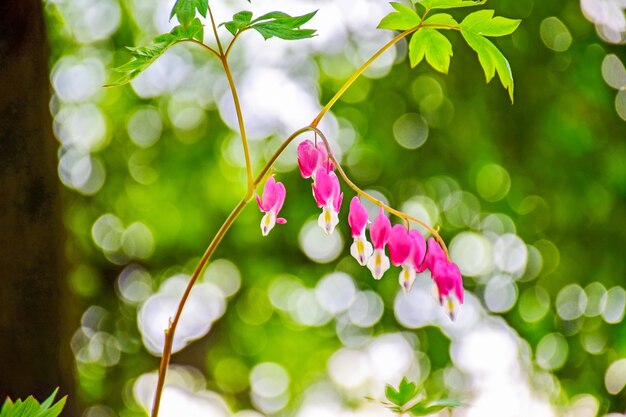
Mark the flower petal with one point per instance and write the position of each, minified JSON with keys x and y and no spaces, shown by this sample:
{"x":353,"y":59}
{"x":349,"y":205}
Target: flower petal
{"x":380,"y":230}
{"x":361,"y":250}
{"x":357,"y":217}
{"x":378,"y":263}
{"x":308,"y":158}
{"x":267,"y":223}
{"x":407,"y":277}
{"x":328,"y":220}
{"x":400,"y":245}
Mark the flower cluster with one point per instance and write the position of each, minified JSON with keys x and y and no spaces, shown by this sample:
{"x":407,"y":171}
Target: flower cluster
{"x":407,"y":247}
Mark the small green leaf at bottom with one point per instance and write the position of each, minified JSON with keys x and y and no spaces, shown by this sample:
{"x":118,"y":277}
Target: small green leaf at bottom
{"x":406,"y":391}
{"x":427,"y":407}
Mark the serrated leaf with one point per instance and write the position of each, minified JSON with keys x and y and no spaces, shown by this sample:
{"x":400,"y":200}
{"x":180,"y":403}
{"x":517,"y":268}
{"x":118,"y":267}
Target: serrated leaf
{"x":483,"y":23}
{"x":429,"y":43}
{"x":283,"y":26}
{"x":406,"y":392}
{"x":444,"y":19}
{"x":144,"y":57}
{"x":55,"y":410}
{"x":427,"y":407}
{"x":185,"y":10}
{"x":402,"y":19}
{"x":50,"y":399}
{"x":194,"y":31}
{"x":491,"y":59}
{"x":240,"y":21}
{"x":448,"y":4}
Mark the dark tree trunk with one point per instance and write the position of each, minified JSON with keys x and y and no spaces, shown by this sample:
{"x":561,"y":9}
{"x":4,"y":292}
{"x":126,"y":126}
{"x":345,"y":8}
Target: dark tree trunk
{"x":34,"y":349}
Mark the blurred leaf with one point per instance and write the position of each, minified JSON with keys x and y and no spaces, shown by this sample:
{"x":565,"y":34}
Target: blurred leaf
{"x":483,"y":23}
{"x":185,"y":10}
{"x":31,"y":407}
{"x":283,"y":26}
{"x":402,"y":19}
{"x":491,"y":59}
{"x":427,"y":407}
{"x":406,"y":392}
{"x":429,"y":43}
{"x":448,"y":4}
{"x":194,"y":31}
{"x":442,"y":19}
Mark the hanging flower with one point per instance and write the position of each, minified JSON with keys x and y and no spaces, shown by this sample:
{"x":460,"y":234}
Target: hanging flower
{"x":433,"y":253}
{"x":361,"y":249}
{"x":311,"y":157}
{"x":271,"y":203}
{"x":449,"y":282}
{"x":328,"y":197}
{"x":378,"y":263}
{"x":400,"y":245}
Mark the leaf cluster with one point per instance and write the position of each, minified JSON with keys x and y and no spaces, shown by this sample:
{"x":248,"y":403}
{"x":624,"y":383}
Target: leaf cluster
{"x":30,"y":407}
{"x":409,"y":398}
{"x":144,"y":56}
{"x":427,"y":41}
{"x":273,"y":24}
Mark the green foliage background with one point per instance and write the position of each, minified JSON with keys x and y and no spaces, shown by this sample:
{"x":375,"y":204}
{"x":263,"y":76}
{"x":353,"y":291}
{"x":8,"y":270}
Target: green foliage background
{"x":562,"y":144}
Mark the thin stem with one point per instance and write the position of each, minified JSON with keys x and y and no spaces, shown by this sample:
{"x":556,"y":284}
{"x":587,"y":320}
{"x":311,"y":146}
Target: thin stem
{"x":217,"y":38}
{"x":242,"y":128}
{"x":232,"y":42}
{"x":358,"y":73}
{"x":169,"y":333}
{"x":204,"y":45}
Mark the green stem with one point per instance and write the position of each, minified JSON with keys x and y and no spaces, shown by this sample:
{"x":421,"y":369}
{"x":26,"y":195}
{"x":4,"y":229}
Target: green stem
{"x":358,"y":73}
{"x":169,"y":333}
{"x":217,"y":38}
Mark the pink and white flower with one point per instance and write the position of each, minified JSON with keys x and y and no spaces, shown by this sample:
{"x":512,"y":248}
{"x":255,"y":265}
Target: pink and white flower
{"x":311,"y":157}
{"x":378,"y":263}
{"x":270,"y":203}
{"x":328,"y":197}
{"x":360,"y":249}
{"x":406,"y":249}
{"x":449,"y":282}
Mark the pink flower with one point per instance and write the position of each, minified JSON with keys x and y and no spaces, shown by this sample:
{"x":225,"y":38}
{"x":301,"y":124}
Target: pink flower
{"x":328,"y":196}
{"x":271,"y":203}
{"x":361,"y":249}
{"x":378,"y":263}
{"x":449,"y":282}
{"x":406,"y":249}
{"x":433,"y":253}
{"x":311,"y":157}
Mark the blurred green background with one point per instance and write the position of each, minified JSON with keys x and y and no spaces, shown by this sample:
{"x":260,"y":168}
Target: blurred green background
{"x":530,"y":198}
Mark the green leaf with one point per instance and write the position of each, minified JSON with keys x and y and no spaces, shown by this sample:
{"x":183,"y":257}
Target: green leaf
{"x":283,"y":26}
{"x":402,"y":19}
{"x":194,"y":31}
{"x":185,"y":10}
{"x":240,"y":21}
{"x":31,"y":407}
{"x":144,"y":57}
{"x":406,"y":392}
{"x":427,"y":407}
{"x":444,"y":19}
{"x":448,"y":4}
{"x":483,"y":23}
{"x":491,"y":59}
{"x":429,"y":43}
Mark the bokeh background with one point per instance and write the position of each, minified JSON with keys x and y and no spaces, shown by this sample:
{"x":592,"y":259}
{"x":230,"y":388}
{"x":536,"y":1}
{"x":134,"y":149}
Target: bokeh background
{"x":530,"y":198}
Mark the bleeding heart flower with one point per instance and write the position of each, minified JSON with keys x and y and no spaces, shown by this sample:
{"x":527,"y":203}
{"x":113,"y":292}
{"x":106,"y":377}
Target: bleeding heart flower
{"x":400,"y":251}
{"x":449,"y":282}
{"x":433,"y":253}
{"x":328,"y":196}
{"x":378,"y":263}
{"x":311,"y":157}
{"x":272,"y":201}
{"x":361,"y":249}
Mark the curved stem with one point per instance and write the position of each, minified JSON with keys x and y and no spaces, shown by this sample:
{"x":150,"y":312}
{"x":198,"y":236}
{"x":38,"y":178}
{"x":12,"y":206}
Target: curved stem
{"x":232,"y":42}
{"x":169,"y":333}
{"x":204,"y":45}
{"x":358,"y":73}
{"x":242,"y":128}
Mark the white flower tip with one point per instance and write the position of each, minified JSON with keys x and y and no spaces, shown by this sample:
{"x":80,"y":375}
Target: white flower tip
{"x":378,"y":264}
{"x":361,"y":250}
{"x":267,"y":223}
{"x":328,"y":220}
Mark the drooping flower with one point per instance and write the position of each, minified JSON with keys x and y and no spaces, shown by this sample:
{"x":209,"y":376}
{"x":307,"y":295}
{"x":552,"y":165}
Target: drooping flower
{"x":270,"y":203}
{"x":360,"y":249}
{"x":433,"y":253}
{"x":311,"y":157}
{"x":449,"y":282}
{"x":378,"y":263}
{"x":328,"y":197}
{"x":400,"y":251}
